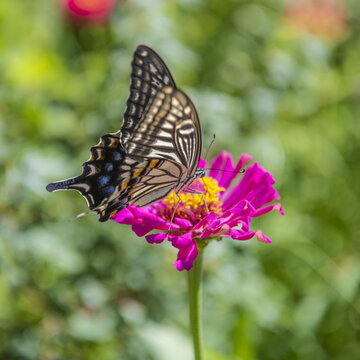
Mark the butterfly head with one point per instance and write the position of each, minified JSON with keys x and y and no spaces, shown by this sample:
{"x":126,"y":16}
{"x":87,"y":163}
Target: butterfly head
{"x":199,"y":173}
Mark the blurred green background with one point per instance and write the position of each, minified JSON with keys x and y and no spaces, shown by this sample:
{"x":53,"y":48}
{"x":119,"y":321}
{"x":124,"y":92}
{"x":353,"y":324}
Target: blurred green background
{"x":278,"y":80}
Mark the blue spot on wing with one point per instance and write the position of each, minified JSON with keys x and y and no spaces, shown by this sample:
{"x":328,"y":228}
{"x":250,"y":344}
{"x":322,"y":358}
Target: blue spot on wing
{"x":109,"y":167}
{"x":107,"y":191}
{"x":116,"y":156}
{"x":103,"y":180}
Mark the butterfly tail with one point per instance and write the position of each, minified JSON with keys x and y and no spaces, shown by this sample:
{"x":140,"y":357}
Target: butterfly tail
{"x":61,"y":185}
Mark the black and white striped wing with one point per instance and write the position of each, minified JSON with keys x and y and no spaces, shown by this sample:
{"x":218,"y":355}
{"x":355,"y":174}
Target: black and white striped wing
{"x":169,"y":130}
{"x":148,"y":74}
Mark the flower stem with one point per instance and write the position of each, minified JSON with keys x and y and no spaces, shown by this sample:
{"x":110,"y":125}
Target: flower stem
{"x":194,"y":294}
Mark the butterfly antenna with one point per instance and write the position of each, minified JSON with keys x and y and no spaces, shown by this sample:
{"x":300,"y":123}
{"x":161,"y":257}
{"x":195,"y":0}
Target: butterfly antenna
{"x":231,"y":171}
{"x":211,"y":142}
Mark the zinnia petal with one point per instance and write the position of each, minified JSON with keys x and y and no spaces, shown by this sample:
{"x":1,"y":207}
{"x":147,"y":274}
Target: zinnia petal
{"x":243,"y":160}
{"x":224,"y":162}
{"x":267,"y":209}
{"x":202,"y":163}
{"x":155,"y":238}
{"x":255,"y":186}
{"x":181,"y":241}
{"x":186,"y":257}
{"x":240,"y":235}
{"x":124,"y":216}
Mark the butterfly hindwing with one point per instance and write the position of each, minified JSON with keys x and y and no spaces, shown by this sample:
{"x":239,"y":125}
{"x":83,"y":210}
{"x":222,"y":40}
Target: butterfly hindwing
{"x":100,"y":173}
{"x":142,"y":183}
{"x":109,"y":177}
{"x":157,"y":182}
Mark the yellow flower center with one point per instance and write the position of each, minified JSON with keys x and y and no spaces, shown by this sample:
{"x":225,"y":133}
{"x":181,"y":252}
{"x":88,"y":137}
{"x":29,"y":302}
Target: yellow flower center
{"x":192,"y":205}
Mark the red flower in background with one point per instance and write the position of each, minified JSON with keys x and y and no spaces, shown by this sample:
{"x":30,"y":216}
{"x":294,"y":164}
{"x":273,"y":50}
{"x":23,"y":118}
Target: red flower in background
{"x":88,"y":11}
{"x":327,"y":18}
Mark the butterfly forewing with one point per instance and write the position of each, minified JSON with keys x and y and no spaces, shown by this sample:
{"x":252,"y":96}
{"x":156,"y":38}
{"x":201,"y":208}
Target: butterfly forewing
{"x":148,"y":74}
{"x":169,"y":130}
{"x":188,"y":136}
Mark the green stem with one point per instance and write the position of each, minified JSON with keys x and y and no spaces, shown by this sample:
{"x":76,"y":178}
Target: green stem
{"x":194,"y":294}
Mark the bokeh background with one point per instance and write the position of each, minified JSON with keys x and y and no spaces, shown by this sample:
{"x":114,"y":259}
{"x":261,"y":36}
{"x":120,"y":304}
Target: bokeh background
{"x":276,"y":79}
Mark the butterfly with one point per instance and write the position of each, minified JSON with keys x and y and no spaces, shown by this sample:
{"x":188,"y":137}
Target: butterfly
{"x":157,"y":149}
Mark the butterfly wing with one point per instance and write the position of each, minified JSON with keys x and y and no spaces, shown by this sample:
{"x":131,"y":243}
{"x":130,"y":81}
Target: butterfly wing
{"x":99,"y":174}
{"x":148,"y":74}
{"x":149,"y":182}
{"x":169,"y":129}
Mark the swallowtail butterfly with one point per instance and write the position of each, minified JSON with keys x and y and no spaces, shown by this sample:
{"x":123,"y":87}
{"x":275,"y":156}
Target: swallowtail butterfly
{"x":157,"y":149}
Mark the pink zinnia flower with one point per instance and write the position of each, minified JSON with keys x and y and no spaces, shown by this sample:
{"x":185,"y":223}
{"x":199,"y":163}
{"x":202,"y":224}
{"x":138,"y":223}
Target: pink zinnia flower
{"x":230,"y":209}
{"x":88,"y":11}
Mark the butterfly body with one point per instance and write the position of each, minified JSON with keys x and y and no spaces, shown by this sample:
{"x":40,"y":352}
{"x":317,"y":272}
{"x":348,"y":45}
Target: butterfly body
{"x":156,"y":151}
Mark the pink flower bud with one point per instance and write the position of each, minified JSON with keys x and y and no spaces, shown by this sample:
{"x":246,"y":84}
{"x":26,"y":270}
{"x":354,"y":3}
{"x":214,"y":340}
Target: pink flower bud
{"x":87,"y":11}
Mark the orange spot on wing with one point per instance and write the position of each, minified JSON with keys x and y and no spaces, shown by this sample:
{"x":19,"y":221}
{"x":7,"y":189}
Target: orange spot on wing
{"x":153,"y":163}
{"x":124,"y":184}
{"x":113,"y":143}
{"x":99,"y":154}
{"x":137,"y":173}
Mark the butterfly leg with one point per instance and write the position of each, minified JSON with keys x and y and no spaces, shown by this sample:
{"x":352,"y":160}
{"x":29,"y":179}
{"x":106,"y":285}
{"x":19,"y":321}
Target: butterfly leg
{"x":173,"y":214}
{"x":192,"y":191}
{"x":206,"y":205}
